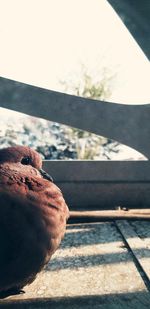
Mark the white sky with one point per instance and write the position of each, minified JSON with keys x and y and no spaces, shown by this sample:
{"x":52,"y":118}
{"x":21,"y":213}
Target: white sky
{"x":45,"y":41}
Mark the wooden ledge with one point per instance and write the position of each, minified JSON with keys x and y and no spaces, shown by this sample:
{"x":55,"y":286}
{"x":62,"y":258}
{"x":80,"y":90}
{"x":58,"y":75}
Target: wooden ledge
{"x":121,"y":214}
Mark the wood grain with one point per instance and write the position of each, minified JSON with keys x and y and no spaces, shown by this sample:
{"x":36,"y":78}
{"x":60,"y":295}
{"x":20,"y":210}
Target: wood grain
{"x":92,"y":269}
{"x":140,"y":247}
{"x":132,"y":214}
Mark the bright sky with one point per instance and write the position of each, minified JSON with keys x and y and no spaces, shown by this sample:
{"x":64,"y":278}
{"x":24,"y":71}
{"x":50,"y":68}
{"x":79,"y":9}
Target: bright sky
{"x":45,"y":41}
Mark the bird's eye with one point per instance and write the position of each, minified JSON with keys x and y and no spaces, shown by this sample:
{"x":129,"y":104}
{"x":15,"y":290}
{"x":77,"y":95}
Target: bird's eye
{"x":26,"y":161}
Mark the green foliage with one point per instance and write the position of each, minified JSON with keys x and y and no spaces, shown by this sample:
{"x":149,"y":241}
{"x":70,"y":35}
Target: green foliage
{"x":88,"y":145}
{"x":97,"y":90}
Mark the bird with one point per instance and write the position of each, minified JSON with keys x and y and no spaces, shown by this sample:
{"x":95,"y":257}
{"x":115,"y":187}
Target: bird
{"x":33,"y":217}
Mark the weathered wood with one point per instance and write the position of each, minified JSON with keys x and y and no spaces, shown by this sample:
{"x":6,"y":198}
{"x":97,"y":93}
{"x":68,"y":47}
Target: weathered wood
{"x":91,"y":269}
{"x":135,"y":300}
{"x":139,"y":247}
{"x":116,"y":121}
{"x":90,"y":216}
{"x":142,"y":230}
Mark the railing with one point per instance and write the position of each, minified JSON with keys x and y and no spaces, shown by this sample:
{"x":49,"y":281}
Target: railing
{"x":91,"y":184}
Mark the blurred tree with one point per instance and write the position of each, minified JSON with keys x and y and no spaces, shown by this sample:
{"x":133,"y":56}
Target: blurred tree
{"x":88,"y":145}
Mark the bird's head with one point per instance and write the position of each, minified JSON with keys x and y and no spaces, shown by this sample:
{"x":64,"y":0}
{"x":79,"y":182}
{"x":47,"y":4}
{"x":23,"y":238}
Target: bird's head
{"x":24,"y":155}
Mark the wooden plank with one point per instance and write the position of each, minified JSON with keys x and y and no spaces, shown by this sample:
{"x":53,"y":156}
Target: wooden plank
{"x":135,"y":300}
{"x":142,"y":230}
{"x":89,"y":216}
{"x":140,"y":247}
{"x":92,"y":268}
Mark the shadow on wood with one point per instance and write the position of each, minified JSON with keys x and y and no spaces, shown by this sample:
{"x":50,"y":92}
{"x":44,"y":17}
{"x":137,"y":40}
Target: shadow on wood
{"x":138,"y":300}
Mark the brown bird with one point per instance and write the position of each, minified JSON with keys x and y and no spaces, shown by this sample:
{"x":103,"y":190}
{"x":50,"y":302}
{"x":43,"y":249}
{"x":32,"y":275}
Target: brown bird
{"x":33,"y":216}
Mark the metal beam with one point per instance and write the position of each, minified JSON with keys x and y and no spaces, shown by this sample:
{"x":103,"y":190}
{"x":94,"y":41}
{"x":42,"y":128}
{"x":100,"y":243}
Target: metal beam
{"x":127,"y":124}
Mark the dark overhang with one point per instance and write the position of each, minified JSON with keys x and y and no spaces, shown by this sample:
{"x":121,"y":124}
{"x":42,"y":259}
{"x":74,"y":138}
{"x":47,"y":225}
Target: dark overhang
{"x":135,"y":14}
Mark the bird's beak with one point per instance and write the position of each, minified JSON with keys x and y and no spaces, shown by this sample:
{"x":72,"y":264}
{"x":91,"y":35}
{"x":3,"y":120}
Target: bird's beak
{"x":45,"y":175}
